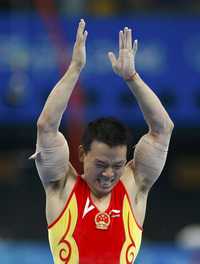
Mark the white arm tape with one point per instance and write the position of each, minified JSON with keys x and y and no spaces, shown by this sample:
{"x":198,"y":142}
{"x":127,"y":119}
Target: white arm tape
{"x":150,"y":158}
{"x":52,"y":163}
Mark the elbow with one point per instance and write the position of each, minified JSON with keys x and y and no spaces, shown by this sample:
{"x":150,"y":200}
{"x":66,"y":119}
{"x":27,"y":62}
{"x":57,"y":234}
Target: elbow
{"x":166,"y":127}
{"x":169,"y":126}
{"x":47,"y":124}
{"x":43,"y":125}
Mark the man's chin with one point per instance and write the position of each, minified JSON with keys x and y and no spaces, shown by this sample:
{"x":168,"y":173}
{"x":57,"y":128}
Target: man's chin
{"x":100,"y":192}
{"x":103,"y":190}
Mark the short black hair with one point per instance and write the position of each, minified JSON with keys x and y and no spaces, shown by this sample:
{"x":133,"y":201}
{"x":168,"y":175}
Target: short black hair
{"x":107,"y":130}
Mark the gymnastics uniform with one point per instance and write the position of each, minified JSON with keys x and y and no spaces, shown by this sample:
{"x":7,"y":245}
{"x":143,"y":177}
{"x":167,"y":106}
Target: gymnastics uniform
{"x":82,"y":234}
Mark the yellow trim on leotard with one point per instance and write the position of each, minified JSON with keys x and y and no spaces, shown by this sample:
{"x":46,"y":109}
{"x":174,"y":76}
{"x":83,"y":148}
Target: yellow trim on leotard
{"x":133,"y":235}
{"x":63,"y":246}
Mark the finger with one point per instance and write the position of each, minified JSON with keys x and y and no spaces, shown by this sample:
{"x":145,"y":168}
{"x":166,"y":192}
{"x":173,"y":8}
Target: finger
{"x":135,"y":46}
{"x":112,"y":58}
{"x":80,"y":30}
{"x":125,"y":37}
{"x":120,"y":39}
{"x":129,"y":39}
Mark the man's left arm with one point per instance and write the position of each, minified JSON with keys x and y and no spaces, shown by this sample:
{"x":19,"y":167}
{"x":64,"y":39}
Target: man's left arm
{"x":151,"y":151}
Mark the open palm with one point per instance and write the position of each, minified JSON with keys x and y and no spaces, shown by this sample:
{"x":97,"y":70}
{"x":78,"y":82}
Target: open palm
{"x":79,"y":50}
{"x":124,"y":66}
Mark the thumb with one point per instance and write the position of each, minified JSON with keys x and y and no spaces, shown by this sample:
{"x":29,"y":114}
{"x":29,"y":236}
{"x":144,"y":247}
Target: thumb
{"x":112,"y":58}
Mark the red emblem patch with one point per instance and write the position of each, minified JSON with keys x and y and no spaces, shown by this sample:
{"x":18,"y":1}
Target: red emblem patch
{"x":102,"y":220}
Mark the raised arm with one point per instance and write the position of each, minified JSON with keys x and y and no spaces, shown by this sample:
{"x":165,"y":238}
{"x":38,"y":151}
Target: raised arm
{"x":52,"y":153}
{"x":151,"y":151}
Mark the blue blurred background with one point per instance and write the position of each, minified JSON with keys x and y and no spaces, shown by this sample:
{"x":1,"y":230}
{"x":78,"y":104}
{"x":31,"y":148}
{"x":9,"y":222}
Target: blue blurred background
{"x":36,"y":40}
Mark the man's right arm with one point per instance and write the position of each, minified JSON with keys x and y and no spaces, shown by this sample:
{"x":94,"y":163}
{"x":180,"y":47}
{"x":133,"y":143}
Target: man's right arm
{"x":52,"y":153}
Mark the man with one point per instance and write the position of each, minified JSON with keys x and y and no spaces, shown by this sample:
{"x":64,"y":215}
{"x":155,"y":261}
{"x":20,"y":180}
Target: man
{"x":97,"y":217}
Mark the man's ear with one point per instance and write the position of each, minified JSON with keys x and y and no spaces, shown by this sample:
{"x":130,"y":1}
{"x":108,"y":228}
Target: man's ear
{"x":81,"y":153}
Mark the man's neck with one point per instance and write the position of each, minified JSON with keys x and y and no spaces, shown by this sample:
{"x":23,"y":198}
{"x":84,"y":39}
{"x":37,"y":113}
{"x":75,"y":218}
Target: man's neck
{"x":102,"y":203}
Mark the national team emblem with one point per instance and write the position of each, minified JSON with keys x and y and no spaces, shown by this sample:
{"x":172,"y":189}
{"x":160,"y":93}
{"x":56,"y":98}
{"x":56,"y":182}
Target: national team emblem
{"x":102,"y":220}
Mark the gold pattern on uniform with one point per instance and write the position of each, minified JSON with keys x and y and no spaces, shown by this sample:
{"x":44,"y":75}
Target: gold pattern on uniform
{"x":63,"y":246}
{"x":133,"y":235}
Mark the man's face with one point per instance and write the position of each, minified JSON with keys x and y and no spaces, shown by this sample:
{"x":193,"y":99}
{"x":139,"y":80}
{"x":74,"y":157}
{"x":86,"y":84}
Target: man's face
{"x":103,"y":167}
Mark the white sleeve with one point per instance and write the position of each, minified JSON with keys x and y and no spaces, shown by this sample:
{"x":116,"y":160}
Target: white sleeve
{"x":51,"y":163}
{"x":149,"y":157}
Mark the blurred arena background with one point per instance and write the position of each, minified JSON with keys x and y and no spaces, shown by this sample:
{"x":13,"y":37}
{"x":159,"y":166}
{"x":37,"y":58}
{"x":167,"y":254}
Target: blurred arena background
{"x":36,"y":39}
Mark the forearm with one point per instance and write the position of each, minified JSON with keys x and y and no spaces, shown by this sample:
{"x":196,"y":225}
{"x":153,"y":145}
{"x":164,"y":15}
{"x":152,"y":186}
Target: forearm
{"x":154,"y":113}
{"x":58,"y":99}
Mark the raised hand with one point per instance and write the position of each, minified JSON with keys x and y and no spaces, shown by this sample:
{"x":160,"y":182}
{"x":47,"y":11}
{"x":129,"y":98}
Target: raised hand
{"x":124,"y":66}
{"x":79,"y":50}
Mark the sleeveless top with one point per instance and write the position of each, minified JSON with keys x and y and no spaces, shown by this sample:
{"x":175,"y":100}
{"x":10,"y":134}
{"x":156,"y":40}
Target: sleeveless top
{"x":82,"y":234}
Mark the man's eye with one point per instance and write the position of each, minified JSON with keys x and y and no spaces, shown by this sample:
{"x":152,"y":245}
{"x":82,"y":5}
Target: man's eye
{"x":117,"y":167}
{"x":100,"y":166}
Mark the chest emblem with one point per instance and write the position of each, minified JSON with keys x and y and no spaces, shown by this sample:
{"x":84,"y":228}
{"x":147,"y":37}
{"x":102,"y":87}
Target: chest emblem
{"x":102,"y":220}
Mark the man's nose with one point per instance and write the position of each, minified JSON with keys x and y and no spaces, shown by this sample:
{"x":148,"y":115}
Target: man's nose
{"x":108,"y":172}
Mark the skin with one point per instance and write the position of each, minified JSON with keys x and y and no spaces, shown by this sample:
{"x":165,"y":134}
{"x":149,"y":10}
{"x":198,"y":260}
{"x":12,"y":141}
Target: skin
{"x":100,"y":163}
{"x":103,"y":167}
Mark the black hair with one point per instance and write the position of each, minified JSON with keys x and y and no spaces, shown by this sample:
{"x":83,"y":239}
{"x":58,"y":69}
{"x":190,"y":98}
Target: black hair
{"x":107,"y":130}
